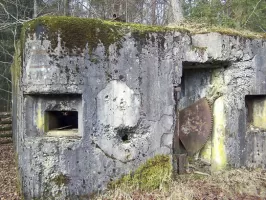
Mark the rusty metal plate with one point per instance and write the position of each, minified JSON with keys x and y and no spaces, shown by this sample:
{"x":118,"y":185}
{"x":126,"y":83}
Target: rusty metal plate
{"x":195,"y":125}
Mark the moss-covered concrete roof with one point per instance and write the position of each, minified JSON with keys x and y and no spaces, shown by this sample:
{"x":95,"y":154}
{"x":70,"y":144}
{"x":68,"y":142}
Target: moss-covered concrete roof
{"x":195,"y":28}
{"x":77,"y":32}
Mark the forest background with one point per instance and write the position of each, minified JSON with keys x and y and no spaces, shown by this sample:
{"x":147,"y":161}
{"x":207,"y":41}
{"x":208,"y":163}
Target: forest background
{"x":237,"y":14}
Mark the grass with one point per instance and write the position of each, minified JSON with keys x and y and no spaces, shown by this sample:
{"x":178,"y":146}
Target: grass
{"x":231,"y":184}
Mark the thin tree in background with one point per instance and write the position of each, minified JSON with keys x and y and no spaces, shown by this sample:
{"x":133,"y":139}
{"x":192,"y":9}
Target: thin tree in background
{"x":228,"y":13}
{"x":176,"y":11}
{"x":35,"y":9}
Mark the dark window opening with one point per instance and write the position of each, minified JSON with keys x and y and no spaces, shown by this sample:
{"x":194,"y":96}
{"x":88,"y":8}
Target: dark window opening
{"x":61,"y":120}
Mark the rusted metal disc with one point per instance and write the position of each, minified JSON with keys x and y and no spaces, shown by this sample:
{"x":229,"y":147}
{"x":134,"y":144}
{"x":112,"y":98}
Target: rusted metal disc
{"x":195,"y":125}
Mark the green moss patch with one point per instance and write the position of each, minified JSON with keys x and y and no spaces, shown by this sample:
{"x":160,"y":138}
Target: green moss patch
{"x":197,"y":28}
{"x":61,"y":179}
{"x":76,"y":33}
{"x":16,"y":67}
{"x":155,"y":173}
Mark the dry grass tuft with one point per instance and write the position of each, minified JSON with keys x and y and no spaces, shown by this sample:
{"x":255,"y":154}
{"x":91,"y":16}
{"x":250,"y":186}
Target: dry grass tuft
{"x":237,"y":184}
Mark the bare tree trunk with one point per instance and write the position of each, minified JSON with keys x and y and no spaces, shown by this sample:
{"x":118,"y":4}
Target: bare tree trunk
{"x":117,"y":7}
{"x":176,"y":11}
{"x":35,"y":9}
{"x":153,"y":7}
{"x":126,"y":10}
{"x":67,"y":8}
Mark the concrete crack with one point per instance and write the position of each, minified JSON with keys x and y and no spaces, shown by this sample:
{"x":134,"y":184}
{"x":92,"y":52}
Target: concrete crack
{"x":110,"y":156}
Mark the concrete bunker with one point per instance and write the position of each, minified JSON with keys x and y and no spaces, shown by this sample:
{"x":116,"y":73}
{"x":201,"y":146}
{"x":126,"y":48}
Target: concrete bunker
{"x":115,"y":84}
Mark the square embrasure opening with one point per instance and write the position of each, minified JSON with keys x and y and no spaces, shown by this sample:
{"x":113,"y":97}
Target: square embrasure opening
{"x":256,"y":111}
{"x":61,"y":123}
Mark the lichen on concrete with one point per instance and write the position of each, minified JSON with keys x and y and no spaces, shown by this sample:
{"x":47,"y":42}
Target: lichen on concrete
{"x":40,"y":118}
{"x":16,"y":66}
{"x":217,"y":87}
{"x":60,"y":180}
{"x":218,"y":151}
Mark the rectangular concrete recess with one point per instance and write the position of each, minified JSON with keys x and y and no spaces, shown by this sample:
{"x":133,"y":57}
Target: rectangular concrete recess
{"x":53,"y":115}
{"x":205,"y":80}
{"x":256,"y":111}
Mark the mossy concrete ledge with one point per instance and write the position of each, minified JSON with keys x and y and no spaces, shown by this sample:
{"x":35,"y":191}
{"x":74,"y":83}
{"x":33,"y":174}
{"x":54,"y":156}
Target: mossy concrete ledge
{"x":81,"y":33}
{"x":107,"y":90}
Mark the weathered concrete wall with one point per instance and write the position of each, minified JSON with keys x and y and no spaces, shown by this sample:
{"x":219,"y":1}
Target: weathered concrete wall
{"x":123,"y":91}
{"x":124,"y":97}
{"x":240,"y":73}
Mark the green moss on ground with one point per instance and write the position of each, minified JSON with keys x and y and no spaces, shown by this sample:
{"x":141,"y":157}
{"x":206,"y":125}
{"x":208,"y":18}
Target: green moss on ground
{"x":155,"y":173}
